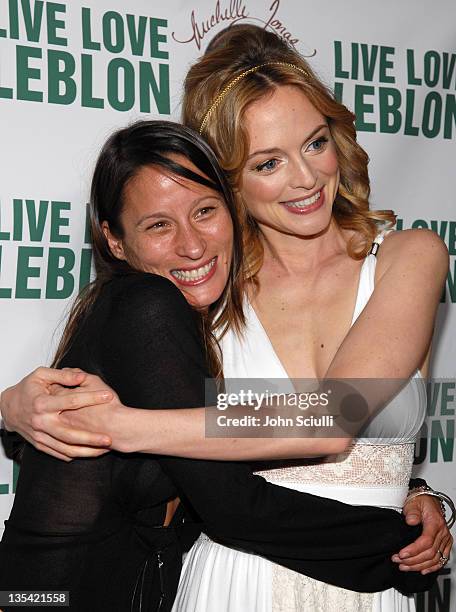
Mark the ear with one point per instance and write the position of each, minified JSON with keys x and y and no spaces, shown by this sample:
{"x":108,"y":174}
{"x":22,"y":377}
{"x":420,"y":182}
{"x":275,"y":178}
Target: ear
{"x":115,"y":244}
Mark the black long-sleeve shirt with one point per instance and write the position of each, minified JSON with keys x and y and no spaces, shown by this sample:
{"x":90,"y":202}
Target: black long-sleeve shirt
{"x":93,"y":526}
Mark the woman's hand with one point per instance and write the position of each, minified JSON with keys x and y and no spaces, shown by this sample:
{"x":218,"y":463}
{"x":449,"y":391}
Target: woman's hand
{"x":91,"y":415}
{"x":424,"y":554}
{"x":32,"y":408}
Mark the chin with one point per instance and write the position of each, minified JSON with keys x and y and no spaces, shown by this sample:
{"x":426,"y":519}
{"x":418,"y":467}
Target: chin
{"x":202,"y":296}
{"x":202,"y":300}
{"x":306,"y":230}
{"x":314,"y":224}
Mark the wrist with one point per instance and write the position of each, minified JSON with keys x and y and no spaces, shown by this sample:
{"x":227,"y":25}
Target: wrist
{"x":442,"y":499}
{"x":126,"y":431}
{"x":422,"y":489}
{"x":147,"y":431}
{"x":118,"y":431}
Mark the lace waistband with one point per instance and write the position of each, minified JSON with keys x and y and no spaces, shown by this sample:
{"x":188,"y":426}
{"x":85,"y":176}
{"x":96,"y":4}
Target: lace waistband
{"x":362,"y":465}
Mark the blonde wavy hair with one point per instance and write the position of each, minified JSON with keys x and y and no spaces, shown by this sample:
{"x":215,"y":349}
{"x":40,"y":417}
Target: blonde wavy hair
{"x":216,"y":97}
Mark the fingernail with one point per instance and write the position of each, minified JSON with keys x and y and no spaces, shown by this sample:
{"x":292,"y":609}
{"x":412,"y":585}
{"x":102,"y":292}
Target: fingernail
{"x":404,"y":568}
{"x":106,"y":395}
{"x":412,"y":517}
{"x":424,"y":572}
{"x":395,"y":558}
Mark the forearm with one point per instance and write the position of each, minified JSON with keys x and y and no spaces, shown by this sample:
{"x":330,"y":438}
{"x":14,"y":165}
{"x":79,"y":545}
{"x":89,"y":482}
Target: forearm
{"x":182,"y":433}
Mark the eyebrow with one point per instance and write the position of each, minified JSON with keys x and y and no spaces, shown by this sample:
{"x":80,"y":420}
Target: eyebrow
{"x":164,"y":214}
{"x":274,"y":149}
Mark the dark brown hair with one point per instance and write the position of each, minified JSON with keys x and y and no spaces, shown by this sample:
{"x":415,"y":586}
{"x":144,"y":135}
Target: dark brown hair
{"x":150,"y":143}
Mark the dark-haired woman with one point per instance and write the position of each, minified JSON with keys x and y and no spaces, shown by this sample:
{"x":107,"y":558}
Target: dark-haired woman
{"x":106,"y":529}
{"x":98,"y":528}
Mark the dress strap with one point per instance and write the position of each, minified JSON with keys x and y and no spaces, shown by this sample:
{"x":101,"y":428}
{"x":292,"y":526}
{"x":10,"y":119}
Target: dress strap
{"x":367,"y":275}
{"x":378,"y":241}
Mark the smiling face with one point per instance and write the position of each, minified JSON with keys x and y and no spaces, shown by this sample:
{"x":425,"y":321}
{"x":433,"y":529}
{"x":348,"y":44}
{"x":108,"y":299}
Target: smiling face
{"x":291,"y":177}
{"x":178,"y":229}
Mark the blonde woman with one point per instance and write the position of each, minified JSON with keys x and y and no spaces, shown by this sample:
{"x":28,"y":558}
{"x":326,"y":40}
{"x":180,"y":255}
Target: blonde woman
{"x":326,"y":286}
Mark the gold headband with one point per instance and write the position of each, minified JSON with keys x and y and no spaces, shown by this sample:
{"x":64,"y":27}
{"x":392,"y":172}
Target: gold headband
{"x":232,"y":83}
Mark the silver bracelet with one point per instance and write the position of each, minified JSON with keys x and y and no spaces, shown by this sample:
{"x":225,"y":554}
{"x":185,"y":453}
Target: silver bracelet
{"x":442,"y":497}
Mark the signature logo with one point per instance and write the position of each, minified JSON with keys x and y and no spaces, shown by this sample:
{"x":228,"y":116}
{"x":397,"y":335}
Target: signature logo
{"x":233,"y":13}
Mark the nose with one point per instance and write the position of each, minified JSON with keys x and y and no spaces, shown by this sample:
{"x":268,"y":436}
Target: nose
{"x":303,"y":174}
{"x":190,"y":242}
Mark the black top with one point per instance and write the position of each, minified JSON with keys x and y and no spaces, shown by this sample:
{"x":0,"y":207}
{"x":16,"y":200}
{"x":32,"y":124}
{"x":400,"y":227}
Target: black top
{"x":92,"y":526}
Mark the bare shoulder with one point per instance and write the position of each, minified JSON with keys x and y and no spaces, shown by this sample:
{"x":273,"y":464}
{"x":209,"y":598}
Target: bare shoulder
{"x":420,"y":247}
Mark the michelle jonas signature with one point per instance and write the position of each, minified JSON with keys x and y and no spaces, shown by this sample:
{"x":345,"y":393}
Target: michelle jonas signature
{"x":234,"y":12}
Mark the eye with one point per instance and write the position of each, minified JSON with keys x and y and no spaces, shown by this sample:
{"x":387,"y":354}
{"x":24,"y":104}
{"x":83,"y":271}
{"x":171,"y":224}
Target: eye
{"x":203,"y":212}
{"x":318,"y":144}
{"x":267,"y":166}
{"x":158,"y":225}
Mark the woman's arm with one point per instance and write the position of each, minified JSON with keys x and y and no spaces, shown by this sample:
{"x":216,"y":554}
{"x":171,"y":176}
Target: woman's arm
{"x":389,"y":340}
{"x":391,"y":337}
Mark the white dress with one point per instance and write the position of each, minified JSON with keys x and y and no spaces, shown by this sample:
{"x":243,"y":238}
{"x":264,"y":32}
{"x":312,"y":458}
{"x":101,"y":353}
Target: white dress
{"x":375,"y":471}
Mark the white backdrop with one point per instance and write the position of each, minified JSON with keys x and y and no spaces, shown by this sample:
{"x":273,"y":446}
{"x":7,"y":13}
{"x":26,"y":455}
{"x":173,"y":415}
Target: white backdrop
{"x":70,"y":72}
